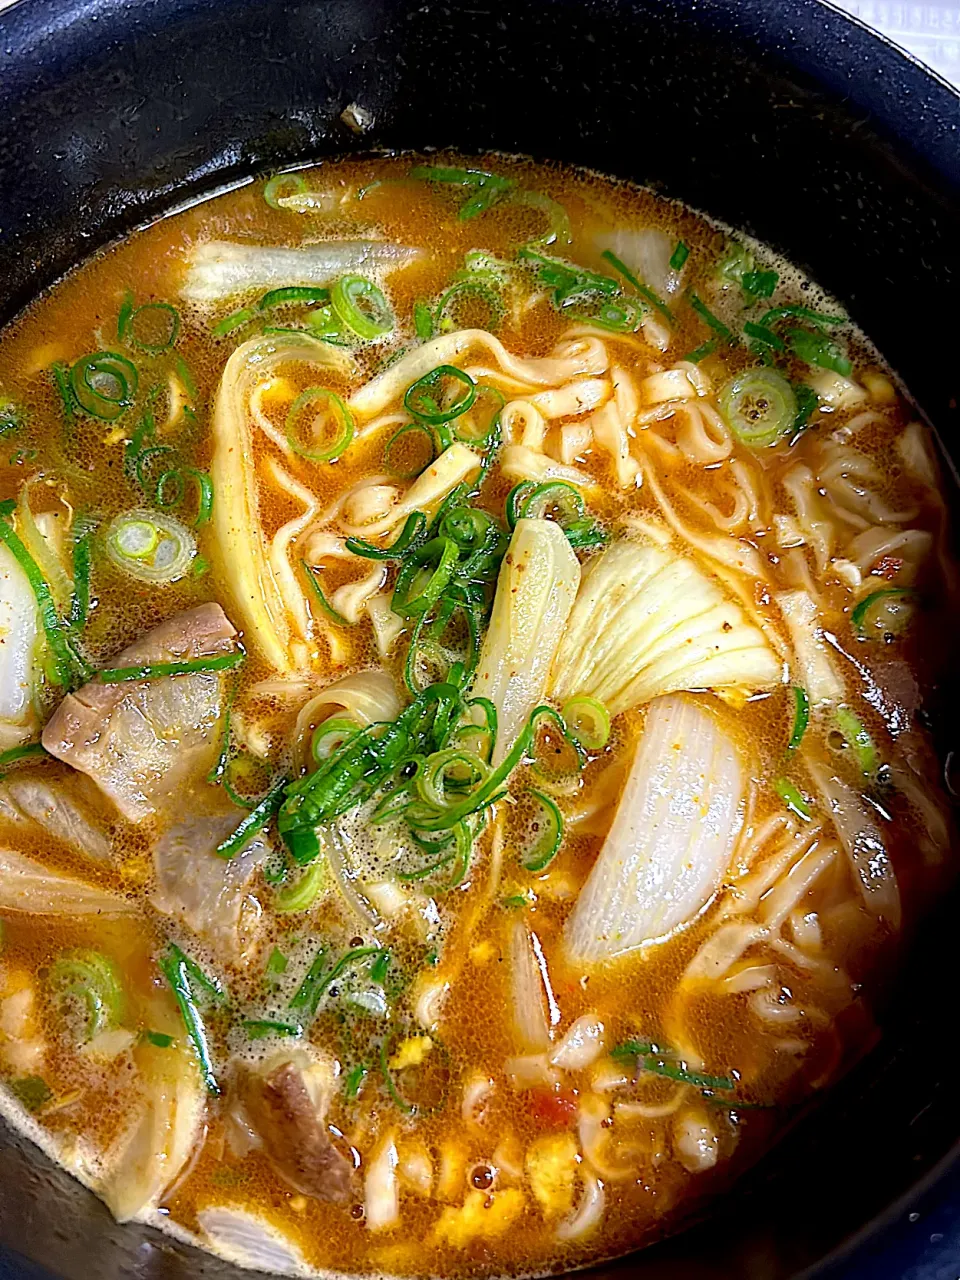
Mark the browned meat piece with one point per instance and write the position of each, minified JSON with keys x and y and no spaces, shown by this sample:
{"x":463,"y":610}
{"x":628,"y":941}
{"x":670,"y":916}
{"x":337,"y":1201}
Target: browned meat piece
{"x":143,"y":742}
{"x":287,"y":1106}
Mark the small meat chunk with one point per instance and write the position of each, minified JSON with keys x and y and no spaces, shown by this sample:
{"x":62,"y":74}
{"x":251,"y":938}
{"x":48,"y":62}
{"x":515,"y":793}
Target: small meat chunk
{"x":208,"y":893}
{"x":286,"y":1104}
{"x":33,"y":799}
{"x":144,"y":742}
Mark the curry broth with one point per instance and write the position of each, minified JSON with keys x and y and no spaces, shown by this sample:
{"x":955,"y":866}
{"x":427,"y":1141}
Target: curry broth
{"x":640,"y":996}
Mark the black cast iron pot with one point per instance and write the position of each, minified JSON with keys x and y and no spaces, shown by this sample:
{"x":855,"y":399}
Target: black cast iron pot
{"x":779,"y":116}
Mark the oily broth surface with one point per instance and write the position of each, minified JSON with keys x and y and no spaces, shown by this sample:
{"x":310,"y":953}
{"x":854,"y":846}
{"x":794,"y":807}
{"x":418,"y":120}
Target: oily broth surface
{"x":633,"y":998}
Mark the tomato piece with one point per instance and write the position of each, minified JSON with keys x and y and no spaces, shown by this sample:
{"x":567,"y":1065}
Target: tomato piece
{"x":557,"y":1109}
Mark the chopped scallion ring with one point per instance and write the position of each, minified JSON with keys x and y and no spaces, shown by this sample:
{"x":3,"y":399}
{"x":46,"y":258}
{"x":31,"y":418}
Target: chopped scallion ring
{"x":316,"y":408}
{"x":426,"y":398}
{"x":588,"y":721}
{"x":152,"y":328}
{"x":283,"y":184}
{"x":420,"y":464}
{"x":759,"y":406}
{"x":858,"y":739}
{"x":360,"y":306}
{"x":150,"y":546}
{"x":884,"y":612}
{"x":302,"y":893}
{"x":104,"y":384}
{"x":548,"y":826}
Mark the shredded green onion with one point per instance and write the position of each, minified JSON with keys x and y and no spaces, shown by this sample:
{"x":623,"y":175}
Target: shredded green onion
{"x":885,"y":612}
{"x":858,"y":739}
{"x":255,"y":821}
{"x":25,"y":751}
{"x":159,"y":1039}
{"x":179,"y":970}
{"x":649,"y":1058}
{"x":260,"y":1028}
{"x":707,"y":316}
{"x":277,"y":962}
{"x":353,"y":1081}
{"x":66,"y":664}
{"x":157,"y":670}
{"x":410,"y":537}
{"x":793,"y":798}
{"x":388,"y":1080}
{"x":230,"y":323}
{"x":801,"y":718}
{"x":644,"y":290}
{"x":679,"y":256}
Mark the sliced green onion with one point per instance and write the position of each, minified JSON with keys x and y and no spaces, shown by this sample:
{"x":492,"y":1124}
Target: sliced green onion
{"x":570,"y":511}
{"x":329,"y":405}
{"x":644,"y":291}
{"x":650,"y":1059}
{"x":859,"y":740}
{"x":619,"y":315}
{"x":759,"y":284}
{"x":331,"y":735}
{"x":767,"y":338}
{"x":759,"y":407}
{"x":230,"y":323}
{"x":558,"y":220}
{"x":807,"y":402}
{"x":176,"y":477}
{"x":488,"y":188}
{"x":394,"y":1093}
{"x":157,"y":670}
{"x":793,"y":798}
{"x":253,"y":823}
{"x":32,"y":1092}
{"x":411,"y":428}
{"x":60,"y":373}
{"x":80,"y":603}
{"x":303,"y":295}
{"x":816,"y":348}
{"x":25,"y":751}
{"x":326,"y":608}
{"x":12,"y":416}
{"x":150,"y":547}
{"x":64,"y":660}
{"x":422,"y":577}
{"x":93,"y":980}
{"x":455,"y":768}
{"x":548,"y":825}
{"x":462,"y":292}
{"x":104,"y":384}
{"x":353,"y":1081}
{"x":277,"y":963}
{"x":424,"y":398}
{"x":423,"y":325}
{"x":679,"y":256}
{"x":281,"y":185}
{"x":159,"y":1039}
{"x":160,"y":321}
{"x":302,"y":893}
{"x":360,"y":306}
{"x":178,"y":970}
{"x":314,"y":987}
{"x":707,"y":316}
{"x":588,"y":721}
{"x":410,"y":536}
{"x":885,"y":612}
{"x":514,"y":902}
{"x":515,"y":501}
{"x":260,"y":1028}
{"x":801,"y":717}
{"x":818,"y":318}
{"x":700,"y":353}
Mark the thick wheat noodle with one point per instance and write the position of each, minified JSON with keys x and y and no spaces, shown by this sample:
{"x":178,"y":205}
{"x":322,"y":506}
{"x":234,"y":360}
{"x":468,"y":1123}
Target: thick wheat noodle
{"x":751,"y":977}
{"x":744,"y":897}
{"x":293,"y":596}
{"x":734,"y":553}
{"x":781,"y":900}
{"x":522,"y":416}
{"x":643,"y":1111}
{"x":396,"y":418}
{"x":263,"y":422}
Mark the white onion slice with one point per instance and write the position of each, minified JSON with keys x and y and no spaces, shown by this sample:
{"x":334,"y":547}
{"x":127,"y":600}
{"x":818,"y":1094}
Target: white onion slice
{"x":671,"y":839}
{"x":250,"y":1242}
{"x":581,"y":1046}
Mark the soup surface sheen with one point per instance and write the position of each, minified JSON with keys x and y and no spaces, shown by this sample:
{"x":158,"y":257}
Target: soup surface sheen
{"x":464,"y":634}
